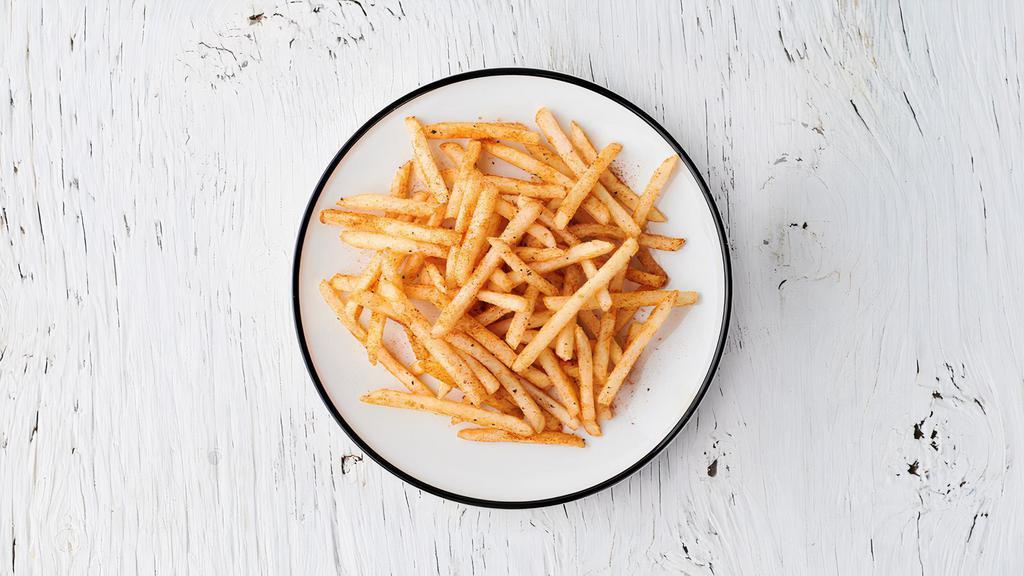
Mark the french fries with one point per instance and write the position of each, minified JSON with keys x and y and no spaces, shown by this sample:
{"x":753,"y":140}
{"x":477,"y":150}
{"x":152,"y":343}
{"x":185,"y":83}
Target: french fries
{"x":492,"y":435}
{"x":532,"y":278}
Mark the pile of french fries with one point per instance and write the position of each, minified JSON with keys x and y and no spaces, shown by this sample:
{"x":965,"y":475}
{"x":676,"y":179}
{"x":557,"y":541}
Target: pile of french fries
{"x":536,"y":326}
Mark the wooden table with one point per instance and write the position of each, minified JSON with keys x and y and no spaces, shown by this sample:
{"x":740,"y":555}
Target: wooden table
{"x":155,"y":415}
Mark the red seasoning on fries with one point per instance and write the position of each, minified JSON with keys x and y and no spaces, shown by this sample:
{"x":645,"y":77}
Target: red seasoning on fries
{"x":535,"y":280}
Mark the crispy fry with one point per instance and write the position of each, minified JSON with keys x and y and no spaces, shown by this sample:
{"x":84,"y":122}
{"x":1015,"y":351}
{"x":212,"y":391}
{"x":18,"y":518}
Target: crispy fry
{"x":585,"y":378}
{"x":390,"y":227}
{"x":481,"y":130}
{"x":551,"y":438}
{"x":492,"y":315}
{"x":636,"y":299}
{"x":512,"y":302}
{"x":479,"y":416}
{"x":529,"y":255}
{"x":374,"y":336}
{"x":653,"y":190}
{"x":373,"y":241}
{"x":602,"y":347}
{"x":632,"y":352}
{"x":578,"y":253}
{"x":425,"y":160}
{"x":655,"y":241}
{"x":645,"y":279}
{"x":564,"y":341}
{"x":406,"y":206}
{"x":476,"y":238}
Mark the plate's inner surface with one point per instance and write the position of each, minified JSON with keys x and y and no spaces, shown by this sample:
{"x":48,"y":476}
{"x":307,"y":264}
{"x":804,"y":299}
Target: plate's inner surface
{"x":665,"y":381}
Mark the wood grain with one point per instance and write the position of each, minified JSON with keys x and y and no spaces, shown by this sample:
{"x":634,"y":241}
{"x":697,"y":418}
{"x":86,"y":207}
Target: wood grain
{"x":155,"y":416}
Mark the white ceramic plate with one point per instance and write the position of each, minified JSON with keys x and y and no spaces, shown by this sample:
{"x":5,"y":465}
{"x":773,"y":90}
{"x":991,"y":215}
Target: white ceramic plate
{"x":669,"y":380}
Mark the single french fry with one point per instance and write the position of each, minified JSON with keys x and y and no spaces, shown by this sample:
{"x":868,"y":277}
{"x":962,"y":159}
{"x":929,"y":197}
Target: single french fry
{"x":492,"y":315}
{"x":564,"y":315}
{"x":509,"y":382}
{"x":425,"y":160}
{"x":637,"y":299}
{"x":602,"y":347}
{"x":490,"y":383}
{"x":585,"y":367}
{"x":405,"y":206}
{"x":439,"y":349}
{"x":575,"y":254}
{"x":374,"y":336}
{"x":645,"y":279}
{"x":476,"y":238}
{"x":481,"y":130}
{"x":374,"y":241}
{"x":564,"y":345}
{"x":550,"y":438}
{"x":604,"y":412}
{"x":389,"y":226}
{"x":561,"y":382}
{"x":653,"y":190}
{"x":466,"y":295}
{"x":479,"y":416}
{"x":633,"y":351}
{"x":467,"y":164}
{"x":390,"y":363}
{"x":512,"y":302}
{"x":618,"y":189}
{"x":507,"y":185}
{"x":529,"y":255}
{"x":520,"y":319}
{"x":646,"y":240}
{"x":584,"y":185}
{"x":400,"y":182}
{"x":528,"y":274}
{"x":552,"y":406}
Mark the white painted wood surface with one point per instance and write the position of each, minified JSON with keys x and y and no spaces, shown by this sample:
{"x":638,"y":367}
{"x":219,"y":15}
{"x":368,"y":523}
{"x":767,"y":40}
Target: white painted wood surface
{"x":155,"y":416}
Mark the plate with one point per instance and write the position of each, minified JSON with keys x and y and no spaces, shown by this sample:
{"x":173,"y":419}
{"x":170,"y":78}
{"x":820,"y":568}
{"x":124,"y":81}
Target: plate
{"x":667,"y":383}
